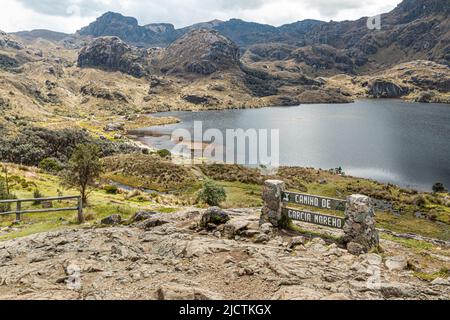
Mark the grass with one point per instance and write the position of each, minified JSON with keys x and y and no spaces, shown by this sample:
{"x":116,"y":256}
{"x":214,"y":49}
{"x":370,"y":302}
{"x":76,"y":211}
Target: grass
{"x":416,"y":245}
{"x":240,"y":195}
{"x":429,"y":277}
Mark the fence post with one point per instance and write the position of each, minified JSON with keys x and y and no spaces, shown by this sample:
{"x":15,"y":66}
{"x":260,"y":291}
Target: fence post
{"x":80,"y":210}
{"x":360,"y":232}
{"x":18,"y":209}
{"x":273,"y":207}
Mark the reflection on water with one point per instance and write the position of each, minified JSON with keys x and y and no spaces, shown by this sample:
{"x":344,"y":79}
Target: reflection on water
{"x":387,"y":140}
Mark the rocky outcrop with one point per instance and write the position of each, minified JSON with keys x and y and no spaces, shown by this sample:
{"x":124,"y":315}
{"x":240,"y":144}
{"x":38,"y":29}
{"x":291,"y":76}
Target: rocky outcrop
{"x":200,"y":52}
{"x":7,"y":41}
{"x":112,"y":54}
{"x":172,"y":260}
{"x":380,"y":88}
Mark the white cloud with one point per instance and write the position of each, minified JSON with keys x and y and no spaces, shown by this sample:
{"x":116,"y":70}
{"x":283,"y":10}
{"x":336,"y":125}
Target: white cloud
{"x":71,"y":15}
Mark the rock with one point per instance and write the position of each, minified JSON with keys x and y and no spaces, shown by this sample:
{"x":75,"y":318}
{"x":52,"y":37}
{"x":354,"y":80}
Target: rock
{"x":215,"y":216}
{"x":266,"y":228}
{"x":262,"y":238}
{"x":117,"y":126}
{"x":380,"y":88}
{"x":234,"y":227}
{"x":440,"y":282}
{"x":7,"y":41}
{"x":336,"y":297}
{"x":112,"y":54}
{"x":179,"y":292}
{"x":355,"y":248}
{"x":397,"y":290}
{"x":128,"y":29}
{"x":396,"y":263}
{"x":112,"y":220}
{"x":142,"y":215}
{"x":201,"y":52}
{"x":296,"y":241}
{"x":152,"y":223}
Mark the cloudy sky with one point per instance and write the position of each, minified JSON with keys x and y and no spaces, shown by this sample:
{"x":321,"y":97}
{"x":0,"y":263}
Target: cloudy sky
{"x":71,"y":15}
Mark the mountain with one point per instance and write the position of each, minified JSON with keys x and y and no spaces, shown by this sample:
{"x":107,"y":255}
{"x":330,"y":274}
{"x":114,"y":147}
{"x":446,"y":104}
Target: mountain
{"x":128,"y":29}
{"x":41,"y":33}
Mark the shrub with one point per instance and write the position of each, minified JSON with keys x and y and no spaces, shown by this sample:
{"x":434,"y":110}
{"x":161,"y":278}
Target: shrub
{"x":4,"y":195}
{"x":37,"y":195}
{"x":212,"y":193}
{"x":111,"y":189}
{"x":164,"y":153}
{"x":420,"y":201}
{"x":51,"y":165}
{"x":439,"y":187}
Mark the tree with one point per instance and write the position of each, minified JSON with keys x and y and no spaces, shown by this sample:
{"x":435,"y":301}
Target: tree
{"x":212,"y":193}
{"x":83,"y":169}
{"x":438,"y":187}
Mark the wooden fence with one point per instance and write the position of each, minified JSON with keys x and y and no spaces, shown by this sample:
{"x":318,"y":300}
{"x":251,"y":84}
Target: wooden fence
{"x":18,"y":211}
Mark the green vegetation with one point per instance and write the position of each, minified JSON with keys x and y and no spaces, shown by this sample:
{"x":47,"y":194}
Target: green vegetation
{"x":109,"y":189}
{"x":212,"y":193}
{"x":83,"y":169}
{"x":32,"y":145}
{"x":439,"y":187}
{"x":51,"y":165}
{"x":444,"y":273}
{"x":164,"y":153}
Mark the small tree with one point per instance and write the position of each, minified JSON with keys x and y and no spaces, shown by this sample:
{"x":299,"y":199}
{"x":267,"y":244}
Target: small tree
{"x":83,"y":169}
{"x":439,"y":187}
{"x":212,"y":193}
{"x":5,"y":195}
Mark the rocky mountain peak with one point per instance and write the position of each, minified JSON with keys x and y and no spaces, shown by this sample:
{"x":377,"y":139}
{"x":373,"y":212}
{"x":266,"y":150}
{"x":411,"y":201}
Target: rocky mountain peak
{"x":109,"y":23}
{"x":409,"y":10}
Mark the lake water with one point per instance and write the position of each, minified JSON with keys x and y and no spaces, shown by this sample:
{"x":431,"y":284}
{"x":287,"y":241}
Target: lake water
{"x":407,"y":144}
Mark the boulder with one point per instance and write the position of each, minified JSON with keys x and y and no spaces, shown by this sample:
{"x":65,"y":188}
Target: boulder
{"x":296,"y":241}
{"x":112,"y":220}
{"x":396,"y":263}
{"x":152,"y":223}
{"x":142,"y":216}
{"x":214,"y":216}
{"x":235,"y":228}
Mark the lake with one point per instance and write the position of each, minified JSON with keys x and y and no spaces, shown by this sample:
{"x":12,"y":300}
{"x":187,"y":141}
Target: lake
{"x":407,"y":144}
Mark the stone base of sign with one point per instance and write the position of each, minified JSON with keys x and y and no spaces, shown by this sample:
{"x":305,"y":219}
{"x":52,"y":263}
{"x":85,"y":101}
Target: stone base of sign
{"x":360,"y":232}
{"x":272,"y":211}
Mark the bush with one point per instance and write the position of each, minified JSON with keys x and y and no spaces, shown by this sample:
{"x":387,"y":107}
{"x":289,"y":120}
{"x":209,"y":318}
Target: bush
{"x":51,"y":165}
{"x":111,"y":189}
{"x":212,"y":193}
{"x":164,"y":153}
{"x":4,"y":195}
{"x":420,"y":201}
{"x":37,"y":195}
{"x":438,"y":187}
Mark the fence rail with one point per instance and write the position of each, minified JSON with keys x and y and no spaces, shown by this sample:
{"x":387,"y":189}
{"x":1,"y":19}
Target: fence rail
{"x":18,"y":212}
